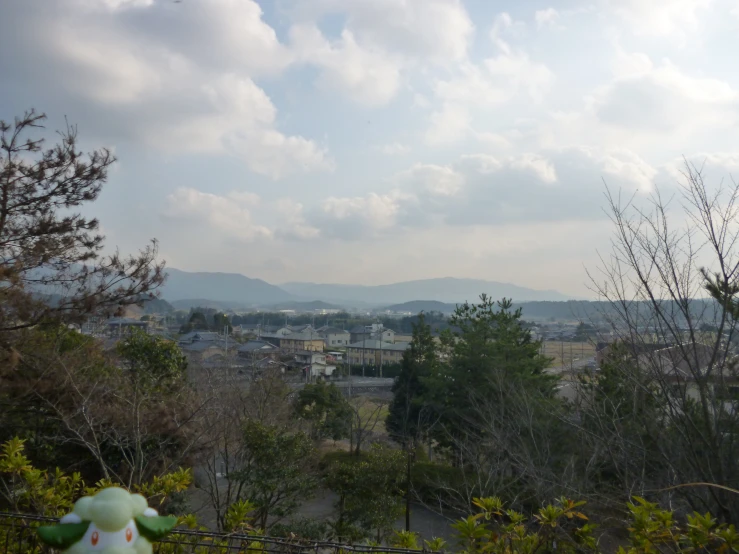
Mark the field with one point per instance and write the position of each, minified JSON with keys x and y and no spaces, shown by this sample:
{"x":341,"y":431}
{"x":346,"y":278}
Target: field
{"x":564,"y":353}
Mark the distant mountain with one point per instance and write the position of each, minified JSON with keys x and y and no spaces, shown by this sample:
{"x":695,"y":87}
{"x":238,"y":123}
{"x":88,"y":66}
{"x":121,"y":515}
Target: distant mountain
{"x":230,"y":288}
{"x":189,"y":303}
{"x":303,"y":306}
{"x":447,"y":290}
{"x":417,"y":306}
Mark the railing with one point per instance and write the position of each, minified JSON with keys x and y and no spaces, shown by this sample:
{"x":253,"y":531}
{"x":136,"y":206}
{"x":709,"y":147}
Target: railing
{"x":18,"y":536}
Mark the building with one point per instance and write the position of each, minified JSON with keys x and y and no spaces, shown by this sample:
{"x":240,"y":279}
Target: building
{"x":376,"y":331}
{"x":403,"y":337}
{"x":375,"y":352}
{"x":257,"y":349}
{"x":334,"y":336}
{"x":204,"y":351}
{"x":294,"y":342}
{"x":316,"y":362}
{"x":124,"y":326}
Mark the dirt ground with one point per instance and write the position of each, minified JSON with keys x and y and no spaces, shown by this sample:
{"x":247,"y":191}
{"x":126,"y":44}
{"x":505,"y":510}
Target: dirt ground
{"x":564,"y":353}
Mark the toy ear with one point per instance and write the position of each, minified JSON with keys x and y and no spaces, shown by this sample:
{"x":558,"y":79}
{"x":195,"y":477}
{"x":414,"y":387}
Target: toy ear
{"x":155,"y":527}
{"x":64,"y":535}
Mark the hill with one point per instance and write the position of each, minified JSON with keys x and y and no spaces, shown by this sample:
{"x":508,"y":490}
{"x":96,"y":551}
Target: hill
{"x":447,"y":290}
{"x":417,"y":306}
{"x":228,"y":288}
{"x":303,"y":306}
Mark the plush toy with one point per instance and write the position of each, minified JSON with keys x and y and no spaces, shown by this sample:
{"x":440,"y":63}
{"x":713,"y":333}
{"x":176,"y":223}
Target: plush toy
{"x":113,"y":521}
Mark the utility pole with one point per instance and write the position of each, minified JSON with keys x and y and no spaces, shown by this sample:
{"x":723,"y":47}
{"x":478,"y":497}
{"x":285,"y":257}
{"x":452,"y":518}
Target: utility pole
{"x":408,"y":488}
{"x":364,"y":338}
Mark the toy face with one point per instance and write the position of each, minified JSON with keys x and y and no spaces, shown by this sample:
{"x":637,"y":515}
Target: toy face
{"x":95,"y":539}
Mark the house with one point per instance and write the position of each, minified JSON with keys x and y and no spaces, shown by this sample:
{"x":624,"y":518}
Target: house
{"x":305,"y":328}
{"x":301,"y":341}
{"x":257,"y":349}
{"x":333,"y":336}
{"x":376,"y":331}
{"x":204,"y":351}
{"x":199,"y":336}
{"x":124,"y":326}
{"x":403,"y":337}
{"x":316,"y":361}
{"x":375,"y":352}
{"x":334,"y":356}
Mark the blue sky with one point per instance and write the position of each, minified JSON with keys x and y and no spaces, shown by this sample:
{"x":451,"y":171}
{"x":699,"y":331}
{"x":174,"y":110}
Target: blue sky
{"x":373,"y":141}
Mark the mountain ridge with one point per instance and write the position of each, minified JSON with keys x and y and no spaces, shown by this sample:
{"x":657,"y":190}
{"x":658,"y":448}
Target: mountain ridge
{"x":242,"y":291}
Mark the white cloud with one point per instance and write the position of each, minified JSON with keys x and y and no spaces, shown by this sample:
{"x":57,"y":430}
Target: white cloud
{"x":295,"y":225}
{"x":667,"y":100}
{"x":436,"y":180}
{"x":547,"y":17}
{"x":359,"y":217}
{"x":368,"y":76}
{"x":177,"y":77}
{"x":447,"y":125}
{"x":536,"y":164}
{"x":394,"y":149}
{"x":429,"y":30}
{"x":674,"y":18}
{"x":227,"y":214}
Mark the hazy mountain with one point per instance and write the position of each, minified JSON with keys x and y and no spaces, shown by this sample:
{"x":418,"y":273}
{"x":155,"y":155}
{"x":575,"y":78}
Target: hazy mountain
{"x":231,"y":288}
{"x":416,"y":306}
{"x":448,"y":290}
{"x":303,"y":306}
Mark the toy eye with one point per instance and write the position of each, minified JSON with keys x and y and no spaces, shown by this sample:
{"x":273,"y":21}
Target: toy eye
{"x":94,"y":538}
{"x":129,"y":535}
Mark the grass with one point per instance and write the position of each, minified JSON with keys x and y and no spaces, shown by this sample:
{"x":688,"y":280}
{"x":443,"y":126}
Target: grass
{"x":565,"y":353}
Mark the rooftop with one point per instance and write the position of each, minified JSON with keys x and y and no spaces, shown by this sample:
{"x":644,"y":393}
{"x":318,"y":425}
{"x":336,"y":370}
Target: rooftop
{"x":254,"y":345}
{"x":380,"y":345}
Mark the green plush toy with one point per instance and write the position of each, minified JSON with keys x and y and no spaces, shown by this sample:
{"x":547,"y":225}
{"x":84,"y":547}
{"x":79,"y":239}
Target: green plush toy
{"x":113,"y":521}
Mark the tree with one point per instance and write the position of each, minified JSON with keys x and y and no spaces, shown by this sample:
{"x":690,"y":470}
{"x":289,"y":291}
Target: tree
{"x":275,"y":470}
{"x":221,"y":321}
{"x":655,"y":283}
{"x":50,"y":262}
{"x":491,"y":356}
{"x":122,"y":419}
{"x":370,"y":490}
{"x":365,"y":415}
{"x":411,"y":411}
{"x":325,"y":408}
{"x":153,"y":363}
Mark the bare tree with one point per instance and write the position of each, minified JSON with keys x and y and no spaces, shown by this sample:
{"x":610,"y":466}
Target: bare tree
{"x":670,"y":284}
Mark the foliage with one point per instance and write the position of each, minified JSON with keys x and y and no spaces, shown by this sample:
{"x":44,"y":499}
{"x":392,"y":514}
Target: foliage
{"x":302,"y":529}
{"x":153,"y":363}
{"x":50,"y":264}
{"x":325,"y":408}
{"x":28,"y":489}
{"x":370,"y":489}
{"x":274,"y":470}
{"x":411,"y":413}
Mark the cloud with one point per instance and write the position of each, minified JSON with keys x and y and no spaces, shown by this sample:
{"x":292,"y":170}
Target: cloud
{"x":447,"y":125}
{"x":228,"y":214}
{"x":435,"y":180}
{"x":666,"y":100}
{"x":293,"y":224}
{"x":491,"y":83}
{"x":176,"y":77}
{"x":545,"y":18}
{"x":394,"y":149}
{"x":675,"y":18}
{"x":368,"y":76}
{"x":436,"y":31}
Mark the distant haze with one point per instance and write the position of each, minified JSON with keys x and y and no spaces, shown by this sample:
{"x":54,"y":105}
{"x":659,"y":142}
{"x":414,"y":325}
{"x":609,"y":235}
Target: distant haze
{"x":186,"y":289}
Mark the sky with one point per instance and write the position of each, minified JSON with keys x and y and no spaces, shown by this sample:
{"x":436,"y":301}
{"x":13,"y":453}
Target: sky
{"x":377,"y":141}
